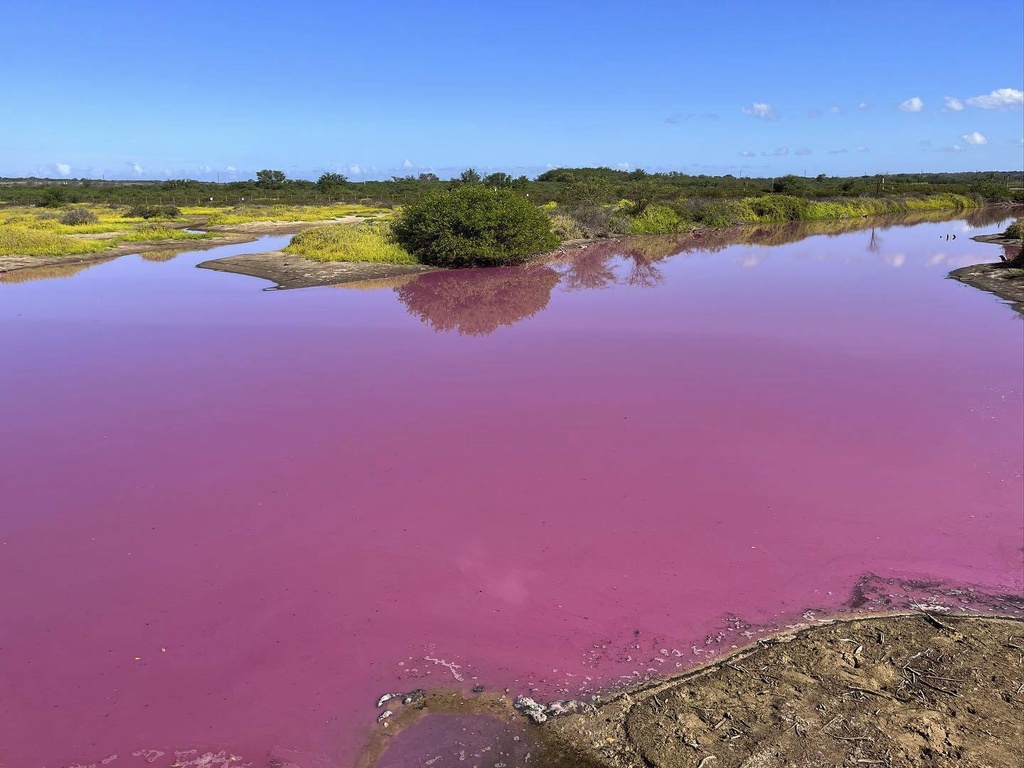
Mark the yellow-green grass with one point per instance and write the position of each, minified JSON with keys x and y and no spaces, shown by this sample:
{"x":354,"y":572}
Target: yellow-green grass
{"x":108,"y":219}
{"x":246,"y":214}
{"x":38,"y":232}
{"x":350,"y":242}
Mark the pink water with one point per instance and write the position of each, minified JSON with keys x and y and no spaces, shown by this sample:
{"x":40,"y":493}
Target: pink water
{"x":230,"y":518}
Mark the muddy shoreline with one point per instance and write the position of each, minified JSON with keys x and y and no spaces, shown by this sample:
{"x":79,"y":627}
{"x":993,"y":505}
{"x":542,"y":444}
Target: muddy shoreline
{"x":287,"y":270}
{"x":903,"y":689}
{"x":1004,"y":279}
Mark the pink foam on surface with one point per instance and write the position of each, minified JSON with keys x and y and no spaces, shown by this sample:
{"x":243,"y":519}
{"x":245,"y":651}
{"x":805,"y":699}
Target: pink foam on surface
{"x":230,"y":519}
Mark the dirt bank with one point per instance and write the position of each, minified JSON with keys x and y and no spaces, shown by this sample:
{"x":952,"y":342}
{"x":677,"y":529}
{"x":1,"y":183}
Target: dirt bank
{"x":290,"y":271}
{"x":1004,"y":279}
{"x":909,"y":690}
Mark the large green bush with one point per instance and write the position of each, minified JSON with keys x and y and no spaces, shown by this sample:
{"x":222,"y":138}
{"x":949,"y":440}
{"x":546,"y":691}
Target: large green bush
{"x":473,"y":226}
{"x":1015,"y":231}
{"x":656,"y":220}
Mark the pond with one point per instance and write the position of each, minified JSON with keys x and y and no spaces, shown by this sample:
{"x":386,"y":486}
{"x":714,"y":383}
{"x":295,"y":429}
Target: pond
{"x":231,"y":518}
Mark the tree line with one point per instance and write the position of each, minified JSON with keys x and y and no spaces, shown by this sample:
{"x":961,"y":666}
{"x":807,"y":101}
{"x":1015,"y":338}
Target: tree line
{"x":564,"y":186}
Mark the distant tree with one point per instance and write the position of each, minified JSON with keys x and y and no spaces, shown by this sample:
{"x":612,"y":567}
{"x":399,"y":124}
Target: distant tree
{"x":641,"y":193}
{"x":329,"y":181}
{"x":427,"y":177}
{"x":592,"y":191}
{"x":793,"y":185}
{"x":52,"y":197}
{"x":470,"y":176}
{"x":269,"y":179}
{"x":498,"y":180}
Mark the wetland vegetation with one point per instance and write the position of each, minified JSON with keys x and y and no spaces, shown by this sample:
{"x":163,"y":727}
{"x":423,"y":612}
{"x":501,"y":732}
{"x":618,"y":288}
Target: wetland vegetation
{"x":473,"y":220}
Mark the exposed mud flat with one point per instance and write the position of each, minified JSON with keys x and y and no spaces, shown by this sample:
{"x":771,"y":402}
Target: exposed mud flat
{"x":291,"y":271}
{"x":908,"y":690}
{"x":1005,"y":282}
{"x":1005,"y":279}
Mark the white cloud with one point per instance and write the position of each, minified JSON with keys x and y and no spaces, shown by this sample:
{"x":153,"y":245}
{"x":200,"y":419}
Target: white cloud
{"x":1001,"y":98}
{"x":912,"y":105}
{"x":802,"y":151}
{"x":954,"y":148}
{"x":975,"y":139}
{"x":953,"y":104}
{"x":746,"y":153}
{"x":780,"y":152}
{"x":230,"y":168}
{"x":407,"y":163}
{"x":895,"y":259}
{"x":205,"y":169}
{"x":863,"y":149}
{"x":835,"y":109}
{"x":355,"y":169}
{"x":137,"y":168}
{"x":863,"y":105}
{"x":623,"y":166}
{"x":63,"y":169}
{"x":760,"y":111}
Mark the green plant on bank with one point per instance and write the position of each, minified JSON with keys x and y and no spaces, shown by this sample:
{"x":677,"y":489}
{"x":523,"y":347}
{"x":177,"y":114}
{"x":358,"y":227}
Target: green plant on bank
{"x":1015,"y":231}
{"x":566,"y":227}
{"x":75,"y":217}
{"x":244,"y":214}
{"x":153,"y":212}
{"x":23,"y":235}
{"x":473,"y":226}
{"x":350,"y":242}
{"x":156,"y":232}
{"x":656,"y":220}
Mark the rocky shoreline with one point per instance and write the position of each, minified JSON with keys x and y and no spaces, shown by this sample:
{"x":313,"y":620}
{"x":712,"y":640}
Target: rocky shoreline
{"x":1004,"y":279}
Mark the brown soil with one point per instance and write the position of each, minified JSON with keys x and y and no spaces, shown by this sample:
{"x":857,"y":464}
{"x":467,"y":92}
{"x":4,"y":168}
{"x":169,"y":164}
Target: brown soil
{"x":290,"y":271}
{"x":908,"y":690}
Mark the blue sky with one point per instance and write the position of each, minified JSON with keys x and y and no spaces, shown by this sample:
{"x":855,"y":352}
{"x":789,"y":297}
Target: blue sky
{"x":127,"y":88}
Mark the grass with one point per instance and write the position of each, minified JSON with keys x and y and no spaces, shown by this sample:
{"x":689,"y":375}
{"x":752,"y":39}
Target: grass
{"x":350,"y":242}
{"x":246,"y":214}
{"x":38,"y":232}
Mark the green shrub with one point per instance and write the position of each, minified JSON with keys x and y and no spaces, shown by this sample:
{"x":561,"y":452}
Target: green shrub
{"x":599,"y":220}
{"x":52,"y":197}
{"x":153,"y":212}
{"x":78,"y":216}
{"x":656,"y":220}
{"x":1015,"y":231}
{"x":473,"y":226}
{"x":349,"y":242}
{"x":566,"y":227}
